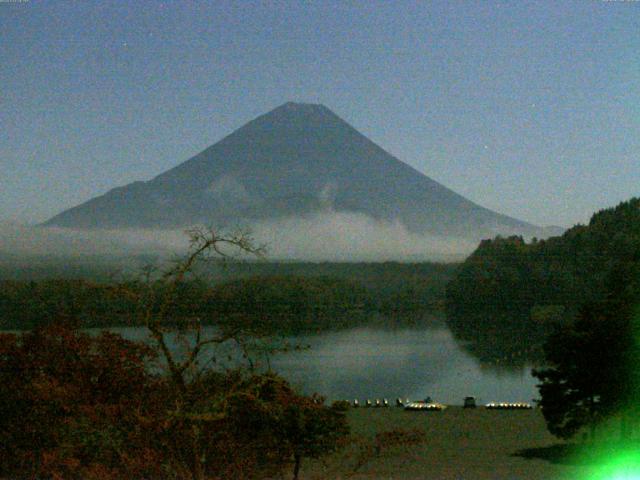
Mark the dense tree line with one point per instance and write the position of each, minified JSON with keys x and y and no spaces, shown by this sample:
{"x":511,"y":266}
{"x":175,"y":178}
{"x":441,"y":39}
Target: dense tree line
{"x":393,"y":285}
{"x":25,"y":305}
{"x":287,"y":303}
{"x":510,"y":294}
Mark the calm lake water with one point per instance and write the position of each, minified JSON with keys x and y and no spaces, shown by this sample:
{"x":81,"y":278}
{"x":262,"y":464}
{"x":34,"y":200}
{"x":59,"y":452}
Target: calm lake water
{"x":408,"y":362}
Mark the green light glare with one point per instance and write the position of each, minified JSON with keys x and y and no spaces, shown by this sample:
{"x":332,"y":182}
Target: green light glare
{"x":622,"y":466}
{"x":620,"y":459}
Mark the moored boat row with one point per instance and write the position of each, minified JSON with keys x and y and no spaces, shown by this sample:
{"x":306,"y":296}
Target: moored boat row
{"x":429,"y":405}
{"x":508,"y":406}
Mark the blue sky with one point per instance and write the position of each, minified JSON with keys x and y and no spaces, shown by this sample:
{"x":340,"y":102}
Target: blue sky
{"x":529,"y":108}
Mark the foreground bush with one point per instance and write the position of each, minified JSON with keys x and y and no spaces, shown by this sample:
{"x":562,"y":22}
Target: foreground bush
{"x":74,"y":406}
{"x":77,"y":406}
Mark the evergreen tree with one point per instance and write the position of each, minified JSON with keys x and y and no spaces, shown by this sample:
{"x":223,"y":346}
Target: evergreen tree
{"x":594,"y":363}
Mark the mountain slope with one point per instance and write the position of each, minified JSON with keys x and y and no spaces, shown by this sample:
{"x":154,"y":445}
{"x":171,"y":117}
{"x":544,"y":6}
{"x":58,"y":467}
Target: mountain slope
{"x":295,"y":160}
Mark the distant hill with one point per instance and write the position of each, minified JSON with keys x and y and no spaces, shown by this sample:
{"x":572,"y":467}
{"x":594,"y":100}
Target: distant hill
{"x":511,"y":294}
{"x":296,"y":160}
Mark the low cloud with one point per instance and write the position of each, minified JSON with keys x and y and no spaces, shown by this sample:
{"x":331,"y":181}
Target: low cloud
{"x":21,"y":240}
{"x":325,"y":236}
{"x":345,"y":236}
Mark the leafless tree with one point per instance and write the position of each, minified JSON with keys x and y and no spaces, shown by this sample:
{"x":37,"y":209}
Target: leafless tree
{"x":157,"y":292}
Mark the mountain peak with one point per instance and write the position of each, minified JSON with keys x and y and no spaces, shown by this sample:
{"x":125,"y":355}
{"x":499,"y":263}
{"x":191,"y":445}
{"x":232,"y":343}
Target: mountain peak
{"x":301,"y":106}
{"x":296,"y":116}
{"x":296,"y":160}
{"x":301,"y":110}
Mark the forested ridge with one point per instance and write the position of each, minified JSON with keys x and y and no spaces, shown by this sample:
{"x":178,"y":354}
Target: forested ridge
{"x":280,"y":298}
{"x":520,"y":291}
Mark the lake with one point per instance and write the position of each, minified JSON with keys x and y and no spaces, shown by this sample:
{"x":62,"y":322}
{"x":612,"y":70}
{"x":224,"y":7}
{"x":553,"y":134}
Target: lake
{"x":408,"y":362}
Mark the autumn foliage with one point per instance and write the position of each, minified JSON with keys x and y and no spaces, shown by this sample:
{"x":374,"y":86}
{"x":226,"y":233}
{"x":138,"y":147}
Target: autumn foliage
{"x":74,"y":405}
{"x":80,"y":406}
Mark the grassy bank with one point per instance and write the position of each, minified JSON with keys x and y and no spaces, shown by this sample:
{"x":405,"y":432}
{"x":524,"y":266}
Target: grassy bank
{"x":458,"y":444}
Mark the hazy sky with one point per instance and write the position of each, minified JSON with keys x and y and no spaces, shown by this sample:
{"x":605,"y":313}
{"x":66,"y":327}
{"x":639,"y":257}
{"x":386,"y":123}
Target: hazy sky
{"x":529,"y":108}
